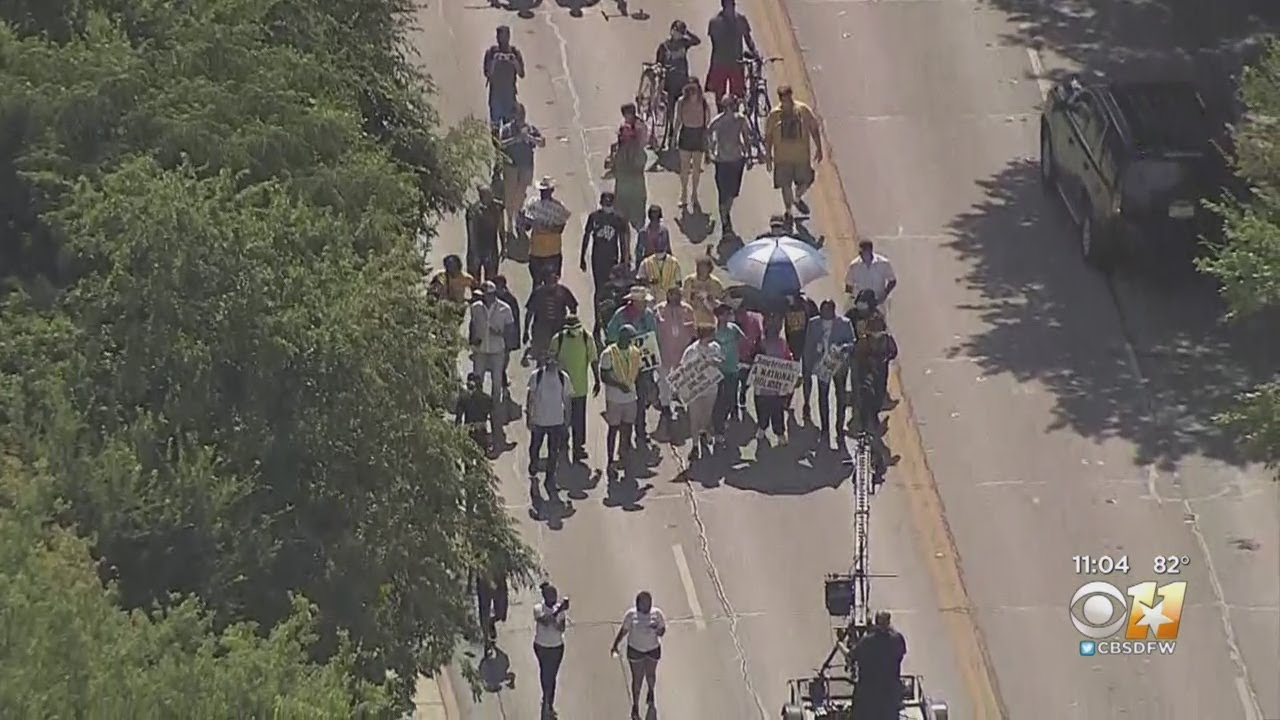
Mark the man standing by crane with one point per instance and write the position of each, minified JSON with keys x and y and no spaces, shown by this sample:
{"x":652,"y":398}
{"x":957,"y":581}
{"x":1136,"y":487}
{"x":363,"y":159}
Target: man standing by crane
{"x":878,"y":655}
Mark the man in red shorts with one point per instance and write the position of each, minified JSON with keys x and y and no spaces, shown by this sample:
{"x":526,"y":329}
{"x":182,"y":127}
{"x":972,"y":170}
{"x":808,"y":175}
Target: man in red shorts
{"x":728,"y":32}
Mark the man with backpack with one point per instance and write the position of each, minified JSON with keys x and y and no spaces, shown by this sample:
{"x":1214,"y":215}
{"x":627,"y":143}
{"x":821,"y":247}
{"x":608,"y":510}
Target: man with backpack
{"x":576,"y":350}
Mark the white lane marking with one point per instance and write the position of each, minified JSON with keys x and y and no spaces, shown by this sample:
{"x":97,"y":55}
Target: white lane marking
{"x":686,"y":579}
{"x":1037,"y":69}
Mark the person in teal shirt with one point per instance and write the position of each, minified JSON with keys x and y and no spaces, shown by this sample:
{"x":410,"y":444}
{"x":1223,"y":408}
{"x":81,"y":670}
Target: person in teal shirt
{"x":727,"y":335}
{"x":578,"y":355}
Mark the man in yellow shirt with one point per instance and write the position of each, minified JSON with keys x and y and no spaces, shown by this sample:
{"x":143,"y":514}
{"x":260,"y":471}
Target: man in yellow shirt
{"x":545,"y":218}
{"x":620,"y":370}
{"x":791,"y":134}
{"x":703,"y":291}
{"x":452,"y":283}
{"x":660,"y":270}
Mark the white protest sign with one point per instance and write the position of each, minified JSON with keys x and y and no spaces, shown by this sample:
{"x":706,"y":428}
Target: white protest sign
{"x":830,"y":363}
{"x":774,"y":376}
{"x":649,"y":353}
{"x":696,"y":377}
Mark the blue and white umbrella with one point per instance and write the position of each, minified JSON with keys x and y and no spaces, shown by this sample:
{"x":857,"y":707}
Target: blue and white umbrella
{"x":777,"y":265}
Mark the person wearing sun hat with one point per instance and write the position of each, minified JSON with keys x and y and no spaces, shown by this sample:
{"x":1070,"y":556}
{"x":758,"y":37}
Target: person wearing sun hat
{"x":545,"y":218}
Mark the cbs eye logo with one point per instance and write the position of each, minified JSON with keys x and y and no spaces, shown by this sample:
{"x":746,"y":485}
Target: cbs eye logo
{"x":1104,"y":610}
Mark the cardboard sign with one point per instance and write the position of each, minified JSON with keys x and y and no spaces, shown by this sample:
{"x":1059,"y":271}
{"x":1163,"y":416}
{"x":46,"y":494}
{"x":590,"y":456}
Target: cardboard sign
{"x":649,"y":353}
{"x":697,"y":377}
{"x":775,"y":376}
{"x":830,"y":363}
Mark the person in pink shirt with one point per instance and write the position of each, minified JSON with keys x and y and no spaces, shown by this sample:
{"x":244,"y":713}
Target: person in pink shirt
{"x":675,"y":333}
{"x":752,"y":324}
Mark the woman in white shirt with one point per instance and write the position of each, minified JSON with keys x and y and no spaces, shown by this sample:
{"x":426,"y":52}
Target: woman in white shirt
{"x":643,"y":626}
{"x":550,"y":619}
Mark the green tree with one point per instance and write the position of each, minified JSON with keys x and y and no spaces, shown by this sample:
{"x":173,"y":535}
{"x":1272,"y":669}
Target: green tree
{"x":1248,"y":262}
{"x":68,"y":651}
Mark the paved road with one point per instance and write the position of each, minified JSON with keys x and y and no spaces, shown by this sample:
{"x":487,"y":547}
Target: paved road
{"x":1052,"y":423}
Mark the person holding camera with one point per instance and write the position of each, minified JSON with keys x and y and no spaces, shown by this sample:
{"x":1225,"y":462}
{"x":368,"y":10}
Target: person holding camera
{"x":550,"y":620}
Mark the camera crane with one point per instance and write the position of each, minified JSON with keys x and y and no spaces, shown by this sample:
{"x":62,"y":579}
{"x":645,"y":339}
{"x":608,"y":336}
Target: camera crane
{"x":830,"y":693}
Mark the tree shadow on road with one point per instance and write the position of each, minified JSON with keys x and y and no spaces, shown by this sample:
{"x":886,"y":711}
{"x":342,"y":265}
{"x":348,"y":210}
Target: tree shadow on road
{"x":1207,"y":40}
{"x":1048,"y":317}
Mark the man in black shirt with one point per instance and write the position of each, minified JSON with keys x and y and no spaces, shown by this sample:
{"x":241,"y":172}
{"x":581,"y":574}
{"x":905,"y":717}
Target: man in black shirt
{"x":608,"y":235}
{"x":673,"y":56}
{"x":549,"y":304}
{"x":878,"y":657}
{"x":610,"y":297}
{"x":484,"y":226}
{"x":503,"y":67}
{"x":475,"y":410}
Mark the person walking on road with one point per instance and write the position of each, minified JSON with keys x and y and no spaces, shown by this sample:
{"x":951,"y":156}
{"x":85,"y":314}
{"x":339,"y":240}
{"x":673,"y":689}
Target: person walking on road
{"x":644,"y":626}
{"x":878,"y":657}
{"x":514,"y":341}
{"x":503,"y":68}
{"x":828,"y":332}
{"x":673,"y":56}
{"x":492,"y":331}
{"x":771,"y":407}
{"x":620,"y":371}
{"x":652,"y":236}
{"x":493,"y":597}
{"x":728,"y":137}
{"x":550,"y":618}
{"x":870,"y":271}
{"x":549,"y":304}
{"x":796,"y":317}
{"x":704,"y":291}
{"x":550,"y":405}
{"x":519,"y":141}
{"x":607,"y":236}
{"x":485,"y":246}
{"x":792,"y":135}
{"x":452,"y":283}
{"x":610,"y":298}
{"x":643,"y":321}
{"x":576,"y":351}
{"x":474,"y":410}
{"x":675,"y":332}
{"x":660,"y":270}
{"x":545,"y":217}
{"x":729,"y":31}
{"x":730,"y":338}
{"x":702,"y":409}
{"x":752,"y":325}
{"x":692,"y":115}
{"x":628,"y":160}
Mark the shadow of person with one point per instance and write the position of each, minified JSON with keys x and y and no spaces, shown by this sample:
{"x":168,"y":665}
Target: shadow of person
{"x":577,"y":480}
{"x":495,"y":672}
{"x":788,"y":470}
{"x":697,"y":226}
{"x":575,"y":7}
{"x":625,"y":492}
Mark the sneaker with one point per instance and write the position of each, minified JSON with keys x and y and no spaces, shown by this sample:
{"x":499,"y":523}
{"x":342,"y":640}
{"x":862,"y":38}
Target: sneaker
{"x":762,"y":437}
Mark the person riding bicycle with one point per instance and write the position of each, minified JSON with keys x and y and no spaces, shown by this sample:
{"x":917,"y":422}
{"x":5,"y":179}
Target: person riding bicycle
{"x":728,"y":32}
{"x":673,"y":56}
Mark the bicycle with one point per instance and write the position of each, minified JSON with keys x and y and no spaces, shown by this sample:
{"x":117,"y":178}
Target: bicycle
{"x":651,"y":103}
{"x":756,"y":104}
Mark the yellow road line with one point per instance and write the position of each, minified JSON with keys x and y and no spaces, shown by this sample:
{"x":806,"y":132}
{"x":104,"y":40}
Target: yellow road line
{"x":924,"y":500}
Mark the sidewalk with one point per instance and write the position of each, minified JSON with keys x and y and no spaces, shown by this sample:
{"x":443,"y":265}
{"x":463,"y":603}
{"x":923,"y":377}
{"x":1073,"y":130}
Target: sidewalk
{"x":434,"y":699}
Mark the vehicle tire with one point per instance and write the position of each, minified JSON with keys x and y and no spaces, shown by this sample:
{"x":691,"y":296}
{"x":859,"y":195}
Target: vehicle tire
{"x":1048,"y":162}
{"x":1093,"y":244}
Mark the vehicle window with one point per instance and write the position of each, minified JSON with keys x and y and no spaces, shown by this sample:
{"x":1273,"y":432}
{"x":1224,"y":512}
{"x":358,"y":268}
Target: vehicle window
{"x":1086,"y":111}
{"x":1147,"y":181}
{"x":1108,"y":156}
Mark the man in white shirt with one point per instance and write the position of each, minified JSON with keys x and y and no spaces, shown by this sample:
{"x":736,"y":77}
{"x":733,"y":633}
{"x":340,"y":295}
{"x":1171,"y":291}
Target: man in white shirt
{"x":550,"y":620}
{"x":491,"y":326}
{"x":547,"y":408}
{"x":870,"y":271}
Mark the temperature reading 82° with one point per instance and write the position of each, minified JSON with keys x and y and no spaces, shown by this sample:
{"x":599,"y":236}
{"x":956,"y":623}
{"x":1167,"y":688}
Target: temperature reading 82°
{"x":1169,"y":564}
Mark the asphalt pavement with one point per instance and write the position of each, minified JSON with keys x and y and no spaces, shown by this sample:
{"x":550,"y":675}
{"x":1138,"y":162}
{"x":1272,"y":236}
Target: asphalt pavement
{"x":1049,"y":413}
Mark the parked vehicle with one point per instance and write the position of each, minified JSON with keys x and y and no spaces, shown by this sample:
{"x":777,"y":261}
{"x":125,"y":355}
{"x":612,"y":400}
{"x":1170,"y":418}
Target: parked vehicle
{"x":1132,"y":162}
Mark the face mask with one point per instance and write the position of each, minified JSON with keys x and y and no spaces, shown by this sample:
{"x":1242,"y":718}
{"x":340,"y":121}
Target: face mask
{"x":862,"y":306}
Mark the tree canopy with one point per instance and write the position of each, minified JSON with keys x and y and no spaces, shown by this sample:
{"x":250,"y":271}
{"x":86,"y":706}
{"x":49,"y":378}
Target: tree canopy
{"x":218,"y":368}
{"x":1248,"y":262}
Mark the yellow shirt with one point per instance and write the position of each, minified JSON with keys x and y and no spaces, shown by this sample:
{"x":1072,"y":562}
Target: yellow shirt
{"x":662,"y":272}
{"x":545,"y":243}
{"x":789,"y":134}
{"x":624,"y":364}
{"x":457,"y":289}
{"x":703,"y":295}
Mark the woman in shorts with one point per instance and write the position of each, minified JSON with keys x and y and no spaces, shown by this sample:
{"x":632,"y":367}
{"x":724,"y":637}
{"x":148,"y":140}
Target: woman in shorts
{"x":643,"y":626}
{"x":693,"y":113}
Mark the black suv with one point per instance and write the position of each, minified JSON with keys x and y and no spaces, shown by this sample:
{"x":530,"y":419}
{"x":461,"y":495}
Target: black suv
{"x":1132,"y":161}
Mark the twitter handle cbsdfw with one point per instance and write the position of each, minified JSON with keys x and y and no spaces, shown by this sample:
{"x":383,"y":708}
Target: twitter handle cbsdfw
{"x":1126,"y":647}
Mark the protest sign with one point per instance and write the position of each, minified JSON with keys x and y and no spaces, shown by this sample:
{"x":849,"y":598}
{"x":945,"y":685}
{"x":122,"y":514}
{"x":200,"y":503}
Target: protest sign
{"x":697,"y":377}
{"x":774,"y":376}
{"x":649,"y":357}
{"x":830,"y":363}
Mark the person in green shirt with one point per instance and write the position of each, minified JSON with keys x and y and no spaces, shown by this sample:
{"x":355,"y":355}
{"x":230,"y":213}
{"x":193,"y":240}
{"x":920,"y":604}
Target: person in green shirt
{"x":578,"y":354}
{"x":729,"y":336}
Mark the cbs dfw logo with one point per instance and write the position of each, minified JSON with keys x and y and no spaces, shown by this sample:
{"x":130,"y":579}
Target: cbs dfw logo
{"x":1149,"y":615}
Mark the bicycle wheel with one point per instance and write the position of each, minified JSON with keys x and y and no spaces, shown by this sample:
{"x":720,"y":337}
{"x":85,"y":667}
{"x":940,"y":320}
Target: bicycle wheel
{"x":759,"y":103}
{"x":658,"y":119}
{"x":646,"y":91}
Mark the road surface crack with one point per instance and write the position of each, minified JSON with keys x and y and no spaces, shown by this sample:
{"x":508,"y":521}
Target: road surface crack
{"x":714,"y":574}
